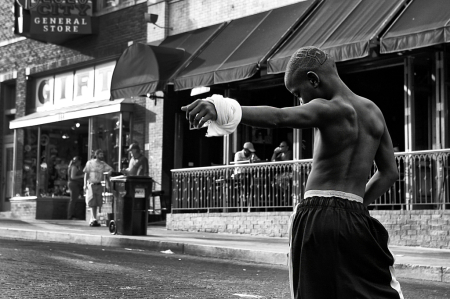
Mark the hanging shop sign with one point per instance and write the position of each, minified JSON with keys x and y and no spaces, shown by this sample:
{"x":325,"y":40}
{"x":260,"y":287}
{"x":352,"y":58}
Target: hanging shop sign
{"x":75,"y":87}
{"x":53,"y":20}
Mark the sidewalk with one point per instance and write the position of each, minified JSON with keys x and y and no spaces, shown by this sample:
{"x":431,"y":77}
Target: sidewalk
{"x":411,"y":262}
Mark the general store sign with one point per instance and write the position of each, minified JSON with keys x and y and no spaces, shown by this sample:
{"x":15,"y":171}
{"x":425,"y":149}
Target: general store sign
{"x":50,"y":19}
{"x":61,"y":16}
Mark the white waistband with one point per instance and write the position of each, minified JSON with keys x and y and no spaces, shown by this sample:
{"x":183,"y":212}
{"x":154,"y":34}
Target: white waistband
{"x":332,"y":193}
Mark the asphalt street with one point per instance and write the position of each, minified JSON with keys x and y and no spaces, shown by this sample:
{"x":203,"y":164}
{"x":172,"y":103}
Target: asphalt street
{"x":30,"y":269}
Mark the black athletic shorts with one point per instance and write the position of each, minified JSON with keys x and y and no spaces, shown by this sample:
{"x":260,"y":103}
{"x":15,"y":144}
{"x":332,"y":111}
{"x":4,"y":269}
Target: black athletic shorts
{"x":338,"y":251}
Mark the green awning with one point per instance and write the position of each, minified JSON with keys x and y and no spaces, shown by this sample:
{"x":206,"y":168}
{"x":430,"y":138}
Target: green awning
{"x":345,"y":29}
{"x":423,"y":23}
{"x":144,"y":69}
{"x":239,"y":48}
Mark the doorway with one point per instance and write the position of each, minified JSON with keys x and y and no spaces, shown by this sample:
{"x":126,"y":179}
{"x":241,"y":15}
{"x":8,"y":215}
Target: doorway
{"x":383,"y":86}
{"x":8,"y":174}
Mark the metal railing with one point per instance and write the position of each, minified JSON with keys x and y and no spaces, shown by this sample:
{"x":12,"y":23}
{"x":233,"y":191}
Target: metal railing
{"x":276,"y":186}
{"x":423,"y":182}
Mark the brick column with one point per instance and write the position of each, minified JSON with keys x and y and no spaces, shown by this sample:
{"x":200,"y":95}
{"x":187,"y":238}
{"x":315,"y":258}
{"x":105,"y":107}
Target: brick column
{"x":21,"y":92}
{"x":155,"y":138}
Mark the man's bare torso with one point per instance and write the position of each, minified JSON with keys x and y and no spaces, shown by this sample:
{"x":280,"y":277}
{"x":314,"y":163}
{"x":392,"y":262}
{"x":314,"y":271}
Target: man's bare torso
{"x":344,"y":148}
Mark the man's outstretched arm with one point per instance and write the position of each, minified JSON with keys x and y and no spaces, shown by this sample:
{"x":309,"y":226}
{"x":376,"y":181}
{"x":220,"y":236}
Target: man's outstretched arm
{"x":314,"y":114}
{"x":387,"y":172}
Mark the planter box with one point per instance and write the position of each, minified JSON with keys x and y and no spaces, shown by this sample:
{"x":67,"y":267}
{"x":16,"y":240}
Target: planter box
{"x":56,"y":208}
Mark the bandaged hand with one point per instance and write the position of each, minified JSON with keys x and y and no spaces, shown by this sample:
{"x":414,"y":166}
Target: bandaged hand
{"x":222,"y":115}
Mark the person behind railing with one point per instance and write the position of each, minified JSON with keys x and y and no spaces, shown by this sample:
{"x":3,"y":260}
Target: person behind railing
{"x":138,"y":165}
{"x":247,"y":154}
{"x":283,"y":177}
{"x":93,"y":176}
{"x":337,"y":250}
{"x":282,"y":152}
{"x":241,"y":175}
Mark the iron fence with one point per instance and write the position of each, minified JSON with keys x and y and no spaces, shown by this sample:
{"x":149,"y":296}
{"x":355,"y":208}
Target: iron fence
{"x":276,"y":186}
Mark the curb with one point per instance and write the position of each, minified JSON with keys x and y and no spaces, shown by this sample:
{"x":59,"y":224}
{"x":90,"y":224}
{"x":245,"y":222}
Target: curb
{"x":420,"y":272}
{"x":265,"y":257}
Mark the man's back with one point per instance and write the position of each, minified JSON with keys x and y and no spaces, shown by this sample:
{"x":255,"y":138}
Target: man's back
{"x":345,"y":147}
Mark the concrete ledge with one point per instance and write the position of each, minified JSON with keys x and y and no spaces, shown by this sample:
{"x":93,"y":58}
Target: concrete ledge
{"x":68,"y":238}
{"x":420,"y":272}
{"x":18,"y":234}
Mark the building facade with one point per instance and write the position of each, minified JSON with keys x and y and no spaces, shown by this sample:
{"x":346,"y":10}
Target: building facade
{"x":157,"y":56}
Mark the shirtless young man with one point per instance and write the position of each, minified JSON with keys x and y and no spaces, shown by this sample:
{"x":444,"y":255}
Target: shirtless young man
{"x":337,"y":250}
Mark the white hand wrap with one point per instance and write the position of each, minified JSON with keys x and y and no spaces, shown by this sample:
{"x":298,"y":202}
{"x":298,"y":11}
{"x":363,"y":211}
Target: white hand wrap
{"x":229,"y":115}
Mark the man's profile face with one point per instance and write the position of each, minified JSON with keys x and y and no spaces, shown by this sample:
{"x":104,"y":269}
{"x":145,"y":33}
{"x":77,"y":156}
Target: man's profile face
{"x":134,"y":153}
{"x":284,"y":147}
{"x":247,"y":152}
{"x":100,"y":156}
{"x":301,"y":90}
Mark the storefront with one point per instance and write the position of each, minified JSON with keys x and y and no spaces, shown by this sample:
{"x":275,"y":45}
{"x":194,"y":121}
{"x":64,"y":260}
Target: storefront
{"x":394,"y":53}
{"x":70,"y":115}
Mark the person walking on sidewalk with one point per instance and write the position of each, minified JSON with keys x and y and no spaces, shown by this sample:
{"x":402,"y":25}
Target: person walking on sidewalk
{"x":75,"y":185}
{"x":93,"y":176}
{"x":337,"y":250}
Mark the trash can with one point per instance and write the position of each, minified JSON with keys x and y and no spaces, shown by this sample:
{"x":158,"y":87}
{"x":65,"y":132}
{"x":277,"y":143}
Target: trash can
{"x":130,"y":205}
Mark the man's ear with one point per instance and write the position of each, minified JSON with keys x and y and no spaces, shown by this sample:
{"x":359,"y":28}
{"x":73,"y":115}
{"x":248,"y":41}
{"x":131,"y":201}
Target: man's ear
{"x":313,"y":79}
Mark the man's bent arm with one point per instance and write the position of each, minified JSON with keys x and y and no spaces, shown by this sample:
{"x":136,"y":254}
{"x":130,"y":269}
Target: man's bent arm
{"x":387,"y":172}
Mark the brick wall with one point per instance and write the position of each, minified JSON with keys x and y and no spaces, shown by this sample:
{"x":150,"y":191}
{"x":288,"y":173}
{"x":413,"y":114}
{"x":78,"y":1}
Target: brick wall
{"x":426,"y":228}
{"x":189,"y":15}
{"x":23,"y":208}
{"x":31,"y":57}
{"x":155,"y":138}
{"x":271,"y":224}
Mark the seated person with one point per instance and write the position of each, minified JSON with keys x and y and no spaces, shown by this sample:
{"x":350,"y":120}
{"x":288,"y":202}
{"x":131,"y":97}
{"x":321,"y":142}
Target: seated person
{"x":282,"y":153}
{"x":246,"y":154}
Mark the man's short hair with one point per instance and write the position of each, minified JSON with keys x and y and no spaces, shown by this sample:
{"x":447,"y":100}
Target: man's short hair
{"x":306,"y":58}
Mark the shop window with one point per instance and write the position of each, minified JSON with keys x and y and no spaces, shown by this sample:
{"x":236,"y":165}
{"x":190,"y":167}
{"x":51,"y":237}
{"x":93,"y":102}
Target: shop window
{"x":9,"y":96}
{"x":29,"y":170}
{"x":106,"y":136}
{"x":59,"y":143}
{"x":8,"y":119}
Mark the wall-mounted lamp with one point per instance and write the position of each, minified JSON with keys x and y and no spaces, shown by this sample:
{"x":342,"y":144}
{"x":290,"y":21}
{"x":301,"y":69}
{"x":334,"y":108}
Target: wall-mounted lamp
{"x":152,"y":19}
{"x":155,"y":95}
